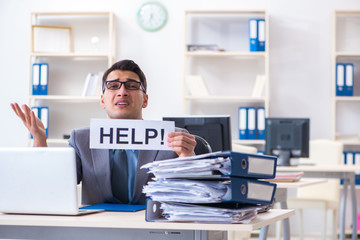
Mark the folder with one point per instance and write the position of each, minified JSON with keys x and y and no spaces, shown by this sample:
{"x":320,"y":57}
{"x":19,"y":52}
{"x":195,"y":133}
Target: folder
{"x":261,"y":34}
{"x":44,"y":117}
{"x":113,"y":207}
{"x":340,"y":73}
{"x":44,"y":77}
{"x":349,"y":79}
{"x":232,"y":189}
{"x":357,"y":158}
{"x":214,"y":213}
{"x":243,"y":123}
{"x":253,"y":34}
{"x":37,"y":114}
{"x":251,"y":123}
{"x":216,"y":165}
{"x":260,"y":123}
{"x":349,"y":158}
{"x":35,"y":79}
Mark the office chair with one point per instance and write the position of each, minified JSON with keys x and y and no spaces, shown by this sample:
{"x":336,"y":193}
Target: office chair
{"x":323,"y":196}
{"x":202,"y":146}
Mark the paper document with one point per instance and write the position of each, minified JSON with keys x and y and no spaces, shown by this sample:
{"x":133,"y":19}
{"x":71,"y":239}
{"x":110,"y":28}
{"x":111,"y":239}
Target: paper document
{"x":188,"y":191}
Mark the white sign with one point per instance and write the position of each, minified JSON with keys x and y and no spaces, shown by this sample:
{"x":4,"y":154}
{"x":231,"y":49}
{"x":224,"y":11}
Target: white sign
{"x":130,"y":134}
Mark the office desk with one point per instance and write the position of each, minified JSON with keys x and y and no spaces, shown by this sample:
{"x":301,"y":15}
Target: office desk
{"x":281,"y":198}
{"x":123,"y":221}
{"x":334,"y":171}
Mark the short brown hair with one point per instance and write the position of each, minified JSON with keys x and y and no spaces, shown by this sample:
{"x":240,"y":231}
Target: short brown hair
{"x":125,"y":65}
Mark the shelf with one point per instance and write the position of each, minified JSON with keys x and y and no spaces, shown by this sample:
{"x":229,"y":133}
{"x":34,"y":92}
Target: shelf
{"x":71,"y":55}
{"x":225,"y":54}
{"x":64,"y":98}
{"x":249,"y":142}
{"x":227,"y":98}
{"x":350,"y":98}
{"x":347,"y":54}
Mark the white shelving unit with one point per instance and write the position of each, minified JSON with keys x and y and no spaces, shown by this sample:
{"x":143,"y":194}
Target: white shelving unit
{"x":92,"y":51}
{"x":229,"y":75}
{"x":346,"y":48}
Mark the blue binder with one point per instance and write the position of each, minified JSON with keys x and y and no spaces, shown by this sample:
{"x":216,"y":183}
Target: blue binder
{"x":243,"y":123}
{"x":349,"y":158}
{"x":261,"y":34}
{"x":44,"y":117}
{"x":349,"y":79}
{"x":260,"y":123}
{"x":251,"y":123}
{"x":253,"y":34}
{"x":249,"y":165}
{"x":36,"y":111}
{"x":340,"y":79}
{"x":35,"y":79}
{"x":44,"y":77}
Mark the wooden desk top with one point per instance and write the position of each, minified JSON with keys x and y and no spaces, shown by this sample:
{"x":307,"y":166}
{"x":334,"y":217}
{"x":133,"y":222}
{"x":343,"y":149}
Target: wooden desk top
{"x":137,"y":221}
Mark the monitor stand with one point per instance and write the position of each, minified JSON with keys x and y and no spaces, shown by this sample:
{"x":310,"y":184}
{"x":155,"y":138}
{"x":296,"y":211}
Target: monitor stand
{"x":283,"y":158}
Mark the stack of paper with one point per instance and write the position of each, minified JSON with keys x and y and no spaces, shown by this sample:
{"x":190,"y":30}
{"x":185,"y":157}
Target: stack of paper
{"x":203,"y":213}
{"x":182,"y":186}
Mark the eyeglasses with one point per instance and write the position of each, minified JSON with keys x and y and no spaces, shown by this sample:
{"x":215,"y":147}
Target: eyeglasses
{"x":130,"y":84}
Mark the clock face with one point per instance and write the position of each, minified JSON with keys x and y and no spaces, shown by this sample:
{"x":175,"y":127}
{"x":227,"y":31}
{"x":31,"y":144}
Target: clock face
{"x":152,"y":16}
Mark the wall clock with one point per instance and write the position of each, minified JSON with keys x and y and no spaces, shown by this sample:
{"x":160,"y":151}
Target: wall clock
{"x":152,"y":16}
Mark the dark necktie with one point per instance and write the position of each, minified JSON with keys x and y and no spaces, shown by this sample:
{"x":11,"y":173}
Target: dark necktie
{"x":119,"y":176}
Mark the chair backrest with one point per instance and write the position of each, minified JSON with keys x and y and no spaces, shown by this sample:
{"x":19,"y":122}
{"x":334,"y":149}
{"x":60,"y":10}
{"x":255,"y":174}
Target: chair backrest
{"x":202,"y":146}
{"x":324,"y":152}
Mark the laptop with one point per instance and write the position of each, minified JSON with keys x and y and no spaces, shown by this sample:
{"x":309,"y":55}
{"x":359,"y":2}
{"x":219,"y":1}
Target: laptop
{"x":39,"y":181}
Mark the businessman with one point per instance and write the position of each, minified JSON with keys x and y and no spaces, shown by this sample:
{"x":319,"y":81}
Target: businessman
{"x":101,"y":171}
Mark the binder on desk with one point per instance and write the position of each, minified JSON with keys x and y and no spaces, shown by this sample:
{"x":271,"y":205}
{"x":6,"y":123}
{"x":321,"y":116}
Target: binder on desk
{"x":35,"y":79}
{"x":44,"y":117}
{"x":253,"y":34}
{"x":251,"y":123}
{"x":226,"y":190}
{"x":214,"y":213}
{"x":261,"y":34}
{"x":44,"y":77}
{"x":349,"y":79}
{"x":340,"y":73}
{"x":113,"y":207}
{"x":215,"y":165}
{"x":243,"y":122}
{"x":260,"y":123}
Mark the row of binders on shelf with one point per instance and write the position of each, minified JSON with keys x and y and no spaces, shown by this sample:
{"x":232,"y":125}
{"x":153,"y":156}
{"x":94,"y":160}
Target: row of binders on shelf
{"x":43,"y":114}
{"x":352,"y":158}
{"x":93,"y":84}
{"x":257,"y":34}
{"x":344,"y":79}
{"x":251,"y":123}
{"x":223,"y":187}
{"x":40,"y":78}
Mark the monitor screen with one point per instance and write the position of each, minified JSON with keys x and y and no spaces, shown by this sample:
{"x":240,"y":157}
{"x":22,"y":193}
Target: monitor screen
{"x":287,"y":138}
{"x":214,"y":129}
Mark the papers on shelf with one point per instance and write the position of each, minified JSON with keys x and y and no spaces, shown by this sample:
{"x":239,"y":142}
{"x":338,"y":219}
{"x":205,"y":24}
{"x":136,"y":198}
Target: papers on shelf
{"x":188,"y":191}
{"x":196,"y":86}
{"x":187,"y":167}
{"x":202,"y":213}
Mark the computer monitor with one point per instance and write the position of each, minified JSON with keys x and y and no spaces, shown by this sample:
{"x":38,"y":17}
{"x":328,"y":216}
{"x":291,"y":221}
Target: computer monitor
{"x":287,"y":138}
{"x":216,"y":130}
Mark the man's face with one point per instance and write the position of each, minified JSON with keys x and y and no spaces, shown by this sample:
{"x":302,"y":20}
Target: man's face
{"x":123,"y":103}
